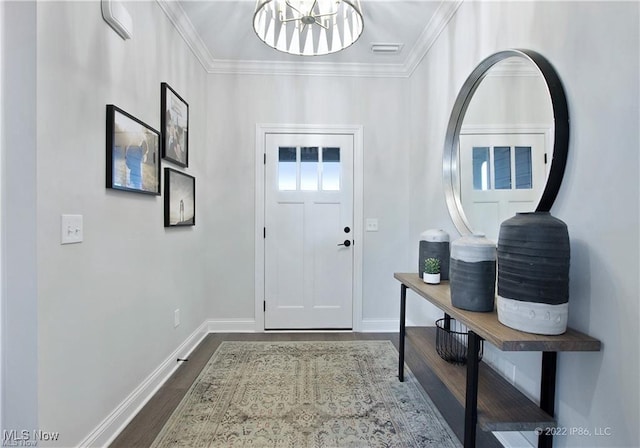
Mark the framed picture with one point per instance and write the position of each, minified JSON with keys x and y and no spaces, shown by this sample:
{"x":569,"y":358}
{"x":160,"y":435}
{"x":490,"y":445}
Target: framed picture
{"x":179,"y":198}
{"x":175,"y":126}
{"x":133,"y":153}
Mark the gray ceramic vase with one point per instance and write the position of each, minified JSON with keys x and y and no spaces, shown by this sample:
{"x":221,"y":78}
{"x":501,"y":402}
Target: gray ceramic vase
{"x":434,"y":243}
{"x":472,"y":273}
{"x":533,"y":273}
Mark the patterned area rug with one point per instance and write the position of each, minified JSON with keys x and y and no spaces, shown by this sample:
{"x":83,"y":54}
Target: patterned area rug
{"x":305,"y":394}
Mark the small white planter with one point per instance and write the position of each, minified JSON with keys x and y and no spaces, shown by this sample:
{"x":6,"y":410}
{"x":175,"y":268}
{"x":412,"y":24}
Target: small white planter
{"x":432,"y":279}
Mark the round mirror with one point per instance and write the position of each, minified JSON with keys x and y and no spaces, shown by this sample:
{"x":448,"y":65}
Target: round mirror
{"x":506,"y":144}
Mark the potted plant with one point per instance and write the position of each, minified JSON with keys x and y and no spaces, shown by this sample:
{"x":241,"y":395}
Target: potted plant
{"x":431,"y":271}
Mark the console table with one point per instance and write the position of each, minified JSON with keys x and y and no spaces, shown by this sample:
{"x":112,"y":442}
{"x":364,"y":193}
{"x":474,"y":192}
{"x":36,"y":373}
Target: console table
{"x":489,"y":400}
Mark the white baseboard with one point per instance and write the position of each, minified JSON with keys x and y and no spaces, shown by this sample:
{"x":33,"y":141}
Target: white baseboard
{"x":120,"y":417}
{"x":380,"y":325}
{"x":115,"y":422}
{"x":249,"y":325}
{"x":512,"y":440}
{"x":231,"y":325}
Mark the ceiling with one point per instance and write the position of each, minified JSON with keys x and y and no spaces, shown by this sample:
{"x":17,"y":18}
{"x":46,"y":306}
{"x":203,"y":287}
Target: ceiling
{"x":220,"y":34}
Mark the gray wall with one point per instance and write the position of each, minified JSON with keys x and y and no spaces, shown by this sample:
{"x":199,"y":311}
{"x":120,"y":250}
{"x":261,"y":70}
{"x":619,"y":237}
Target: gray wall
{"x":104,"y":308}
{"x":236,"y":104}
{"x":19,"y":290}
{"x":594,"y":47}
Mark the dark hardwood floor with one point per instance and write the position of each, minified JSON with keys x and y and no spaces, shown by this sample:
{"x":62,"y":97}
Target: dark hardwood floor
{"x":143,"y":429}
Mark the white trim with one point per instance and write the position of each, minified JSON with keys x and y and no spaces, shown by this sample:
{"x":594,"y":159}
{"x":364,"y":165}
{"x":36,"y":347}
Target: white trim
{"x":524,"y":128}
{"x":430,"y":34}
{"x":107,"y":431}
{"x":231,"y":325}
{"x":358,"y":208}
{"x":238,"y":67}
{"x":2,"y":215}
{"x":438,"y":22}
{"x":380,"y":325}
{"x":506,"y":128}
{"x":122,"y":415}
{"x":261,"y":131}
{"x":512,"y":439}
{"x":185,"y":28}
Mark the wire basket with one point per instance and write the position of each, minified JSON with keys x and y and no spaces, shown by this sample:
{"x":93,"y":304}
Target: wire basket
{"x":452,"y":339}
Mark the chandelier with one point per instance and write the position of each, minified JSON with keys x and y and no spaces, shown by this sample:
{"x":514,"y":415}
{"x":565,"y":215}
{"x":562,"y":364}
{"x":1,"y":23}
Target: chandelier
{"x":308,"y":27}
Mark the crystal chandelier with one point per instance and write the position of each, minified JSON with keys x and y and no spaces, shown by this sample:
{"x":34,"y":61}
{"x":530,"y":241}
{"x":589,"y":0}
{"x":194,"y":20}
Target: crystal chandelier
{"x":308,"y":27}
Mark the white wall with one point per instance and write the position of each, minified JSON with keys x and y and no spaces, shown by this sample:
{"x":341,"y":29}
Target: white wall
{"x":236,"y":104}
{"x":18,"y":177}
{"x":106,"y":306}
{"x":594,"y":47}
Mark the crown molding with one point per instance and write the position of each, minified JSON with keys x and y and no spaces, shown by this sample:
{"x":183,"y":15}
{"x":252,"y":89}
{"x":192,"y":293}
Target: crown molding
{"x":514,"y":67}
{"x":427,"y":38}
{"x":185,"y":28}
{"x":430,"y":34}
{"x":306,"y":68}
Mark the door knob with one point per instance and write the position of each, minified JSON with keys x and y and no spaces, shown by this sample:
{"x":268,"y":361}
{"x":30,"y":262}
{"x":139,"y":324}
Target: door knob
{"x":346,"y":243}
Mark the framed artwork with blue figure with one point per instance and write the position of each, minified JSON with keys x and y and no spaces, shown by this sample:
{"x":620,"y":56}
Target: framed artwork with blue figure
{"x":174,"y":122}
{"x":133,"y":153}
{"x":179,"y":198}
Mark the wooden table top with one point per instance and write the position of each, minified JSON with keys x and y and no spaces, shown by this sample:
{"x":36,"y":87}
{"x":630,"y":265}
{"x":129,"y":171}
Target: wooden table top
{"x":487,"y":326}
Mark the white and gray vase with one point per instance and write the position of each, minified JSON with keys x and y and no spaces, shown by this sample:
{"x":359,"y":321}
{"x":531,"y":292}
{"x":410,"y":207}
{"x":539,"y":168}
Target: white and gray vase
{"x":472,"y":273}
{"x":533,"y":273}
{"x":434,"y":243}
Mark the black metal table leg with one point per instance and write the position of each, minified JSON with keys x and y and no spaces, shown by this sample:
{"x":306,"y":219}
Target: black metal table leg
{"x":548,"y":393}
{"x":471,"y":397}
{"x":403,"y":311}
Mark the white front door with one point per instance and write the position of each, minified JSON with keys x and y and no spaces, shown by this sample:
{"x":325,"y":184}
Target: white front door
{"x":309,"y":231}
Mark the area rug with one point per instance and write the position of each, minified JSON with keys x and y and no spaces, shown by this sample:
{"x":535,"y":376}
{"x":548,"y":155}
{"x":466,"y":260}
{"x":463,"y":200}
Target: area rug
{"x":305,"y":394}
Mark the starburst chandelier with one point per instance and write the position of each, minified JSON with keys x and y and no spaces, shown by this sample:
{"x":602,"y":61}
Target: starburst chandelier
{"x":308,"y":27}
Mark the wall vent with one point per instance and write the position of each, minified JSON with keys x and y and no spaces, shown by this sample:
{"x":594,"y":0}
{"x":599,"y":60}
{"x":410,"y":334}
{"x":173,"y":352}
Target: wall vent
{"x":386,"y":48}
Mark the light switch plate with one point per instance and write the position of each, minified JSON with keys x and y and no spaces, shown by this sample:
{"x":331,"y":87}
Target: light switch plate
{"x":372,"y":224}
{"x":176,"y":318}
{"x":71,"y":229}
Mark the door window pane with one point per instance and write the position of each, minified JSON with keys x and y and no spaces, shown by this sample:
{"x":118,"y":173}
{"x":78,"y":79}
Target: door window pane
{"x":287,"y":168}
{"x":481,"y":177}
{"x":524,"y":172}
{"x":309,"y":168}
{"x":502,"y":167}
{"x":331,"y":169}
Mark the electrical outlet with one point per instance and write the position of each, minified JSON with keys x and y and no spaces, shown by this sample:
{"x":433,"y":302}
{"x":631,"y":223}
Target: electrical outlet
{"x":509,"y":371}
{"x":489,"y":356}
{"x":176,"y":318}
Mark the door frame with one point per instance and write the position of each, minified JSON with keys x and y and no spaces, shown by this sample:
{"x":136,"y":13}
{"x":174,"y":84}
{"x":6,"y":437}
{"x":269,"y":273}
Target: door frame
{"x":356,"y":132}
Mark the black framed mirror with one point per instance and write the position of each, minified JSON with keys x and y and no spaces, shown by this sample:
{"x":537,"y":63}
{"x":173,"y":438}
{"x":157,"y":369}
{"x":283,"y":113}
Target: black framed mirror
{"x":507,"y":141}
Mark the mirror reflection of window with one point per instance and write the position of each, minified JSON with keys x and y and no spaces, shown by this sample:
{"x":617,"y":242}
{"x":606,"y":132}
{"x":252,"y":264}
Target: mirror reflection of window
{"x":524,"y":169}
{"x":498,"y":165}
{"x":502,"y":167}
{"x":481,"y":177}
{"x":506,"y":101}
